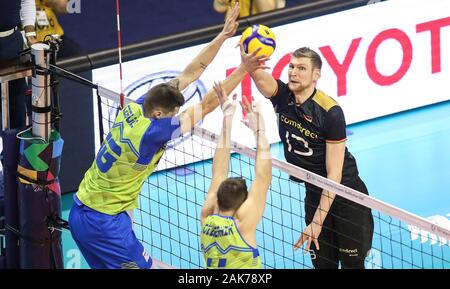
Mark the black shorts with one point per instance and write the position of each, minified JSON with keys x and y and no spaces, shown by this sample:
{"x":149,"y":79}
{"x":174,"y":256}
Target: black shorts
{"x":347,"y":232}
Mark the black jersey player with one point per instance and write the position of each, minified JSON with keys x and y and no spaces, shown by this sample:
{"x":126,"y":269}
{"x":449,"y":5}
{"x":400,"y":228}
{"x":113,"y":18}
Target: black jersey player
{"x":312,"y":129}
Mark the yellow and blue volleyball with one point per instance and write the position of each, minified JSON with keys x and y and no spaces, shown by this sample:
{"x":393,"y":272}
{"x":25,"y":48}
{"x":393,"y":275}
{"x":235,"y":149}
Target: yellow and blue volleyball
{"x":258,"y":36}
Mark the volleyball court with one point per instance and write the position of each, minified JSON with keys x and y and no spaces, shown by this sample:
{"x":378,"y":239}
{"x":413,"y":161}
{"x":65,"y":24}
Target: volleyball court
{"x":167,"y":220}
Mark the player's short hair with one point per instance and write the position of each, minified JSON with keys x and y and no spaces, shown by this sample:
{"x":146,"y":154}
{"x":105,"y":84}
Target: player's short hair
{"x":231,"y":193}
{"x":311,"y":54}
{"x":163,"y":96}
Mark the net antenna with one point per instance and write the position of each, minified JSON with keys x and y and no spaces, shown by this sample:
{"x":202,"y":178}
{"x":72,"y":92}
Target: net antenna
{"x":119,"y":47}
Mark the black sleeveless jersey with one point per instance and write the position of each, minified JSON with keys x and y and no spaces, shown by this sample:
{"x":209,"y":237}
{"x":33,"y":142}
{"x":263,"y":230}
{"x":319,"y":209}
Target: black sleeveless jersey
{"x":305,"y":129}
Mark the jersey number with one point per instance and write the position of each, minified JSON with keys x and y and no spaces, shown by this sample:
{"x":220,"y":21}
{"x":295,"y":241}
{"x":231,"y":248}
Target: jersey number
{"x":105,"y":159}
{"x":298,"y":139}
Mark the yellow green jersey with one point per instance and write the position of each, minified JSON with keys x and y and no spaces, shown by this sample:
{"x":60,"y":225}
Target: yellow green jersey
{"x":223,"y":246}
{"x":126,"y":158}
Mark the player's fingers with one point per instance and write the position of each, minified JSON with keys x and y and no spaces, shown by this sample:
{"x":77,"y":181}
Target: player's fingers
{"x":245,"y":101}
{"x":235,"y":11}
{"x":216,"y":88}
{"x":300,"y":241}
{"x":308,"y":244}
{"x":219,"y":85}
{"x":297,"y":245}
{"x":221,"y":95}
{"x":241,"y":47}
{"x":316,"y":242}
{"x":263,"y":58}
{"x":222,"y":90}
{"x":244,"y":122}
{"x":242,"y":105}
{"x":245,"y":107}
{"x":253,"y":54}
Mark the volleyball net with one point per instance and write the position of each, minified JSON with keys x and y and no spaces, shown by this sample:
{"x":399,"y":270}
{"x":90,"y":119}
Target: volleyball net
{"x":168,"y":218}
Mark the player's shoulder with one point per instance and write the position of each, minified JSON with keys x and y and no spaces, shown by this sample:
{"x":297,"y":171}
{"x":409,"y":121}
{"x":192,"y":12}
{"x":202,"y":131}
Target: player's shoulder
{"x":325,"y":101}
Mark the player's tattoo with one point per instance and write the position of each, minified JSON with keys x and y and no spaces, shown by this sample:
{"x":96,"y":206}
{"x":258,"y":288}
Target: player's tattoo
{"x":175,"y":83}
{"x":203,"y":65}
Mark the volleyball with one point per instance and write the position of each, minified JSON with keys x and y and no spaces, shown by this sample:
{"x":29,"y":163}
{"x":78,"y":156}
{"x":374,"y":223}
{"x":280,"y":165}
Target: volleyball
{"x":258,"y":36}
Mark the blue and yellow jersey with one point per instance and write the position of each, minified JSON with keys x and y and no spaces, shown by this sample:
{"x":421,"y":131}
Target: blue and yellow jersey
{"x":126,"y":158}
{"x":223,"y":246}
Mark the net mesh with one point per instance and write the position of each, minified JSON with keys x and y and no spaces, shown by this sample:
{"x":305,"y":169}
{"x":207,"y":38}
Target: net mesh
{"x":168,"y":224}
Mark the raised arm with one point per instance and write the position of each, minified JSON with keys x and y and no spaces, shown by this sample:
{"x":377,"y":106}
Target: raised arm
{"x":252,"y":210}
{"x":195,"y":113}
{"x":222,"y":154}
{"x":263,"y":80}
{"x":195,"y":69}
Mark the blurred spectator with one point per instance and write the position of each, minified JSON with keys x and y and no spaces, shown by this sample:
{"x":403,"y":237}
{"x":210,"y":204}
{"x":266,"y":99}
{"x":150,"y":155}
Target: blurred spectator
{"x":47,"y":24}
{"x":249,"y":7}
{"x":14,"y":15}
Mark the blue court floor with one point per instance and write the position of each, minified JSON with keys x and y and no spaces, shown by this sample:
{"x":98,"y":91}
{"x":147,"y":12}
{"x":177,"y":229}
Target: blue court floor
{"x":404,"y":159}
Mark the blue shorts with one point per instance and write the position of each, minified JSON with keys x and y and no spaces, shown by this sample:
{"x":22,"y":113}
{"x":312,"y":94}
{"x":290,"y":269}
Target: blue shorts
{"x":106,"y":241}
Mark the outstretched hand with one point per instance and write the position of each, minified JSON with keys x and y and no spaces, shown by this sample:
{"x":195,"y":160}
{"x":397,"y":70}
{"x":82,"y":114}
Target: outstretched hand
{"x":228,"y":107}
{"x":309,"y":235}
{"x":254,"y":119}
{"x":252,"y":61}
{"x":231,"y":24}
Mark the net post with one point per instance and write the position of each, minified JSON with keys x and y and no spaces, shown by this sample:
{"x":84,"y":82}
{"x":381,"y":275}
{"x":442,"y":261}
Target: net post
{"x":40,"y":101}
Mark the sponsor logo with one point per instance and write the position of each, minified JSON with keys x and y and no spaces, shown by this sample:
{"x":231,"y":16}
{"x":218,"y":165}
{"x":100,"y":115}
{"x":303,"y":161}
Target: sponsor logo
{"x":425,"y":236}
{"x":305,"y":132}
{"x":350,"y":252}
